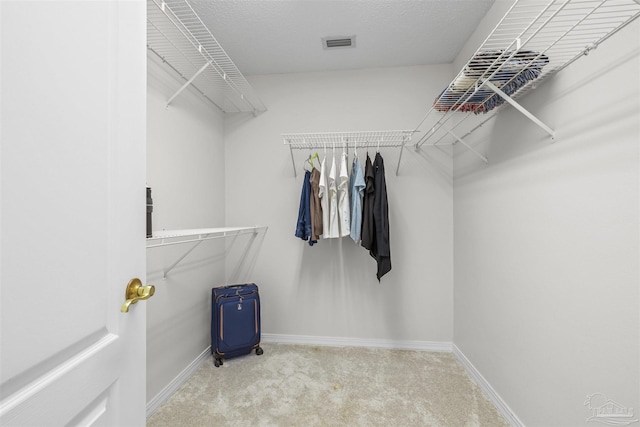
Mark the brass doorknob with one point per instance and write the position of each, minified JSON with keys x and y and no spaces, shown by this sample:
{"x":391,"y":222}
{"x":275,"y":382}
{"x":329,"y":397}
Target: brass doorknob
{"x":136,"y":292}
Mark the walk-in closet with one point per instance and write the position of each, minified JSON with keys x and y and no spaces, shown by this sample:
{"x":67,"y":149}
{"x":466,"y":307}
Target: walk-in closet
{"x":513,"y":219}
{"x":503,"y":137}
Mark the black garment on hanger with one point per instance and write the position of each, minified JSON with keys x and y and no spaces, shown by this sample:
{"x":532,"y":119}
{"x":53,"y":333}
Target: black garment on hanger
{"x":303,"y":225}
{"x":381,"y":250}
{"x":368,"y":226}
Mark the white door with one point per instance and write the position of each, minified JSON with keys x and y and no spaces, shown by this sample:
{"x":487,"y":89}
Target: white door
{"x":73,"y":88}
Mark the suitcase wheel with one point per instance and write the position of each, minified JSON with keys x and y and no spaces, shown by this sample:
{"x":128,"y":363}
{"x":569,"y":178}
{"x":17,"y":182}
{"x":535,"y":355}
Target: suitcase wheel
{"x":259,"y":351}
{"x":217,"y":362}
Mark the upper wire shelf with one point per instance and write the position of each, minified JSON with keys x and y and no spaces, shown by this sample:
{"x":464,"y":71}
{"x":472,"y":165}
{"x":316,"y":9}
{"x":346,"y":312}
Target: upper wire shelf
{"x":177,"y":35}
{"x":386,"y":138}
{"x":533,"y":41}
{"x":174,"y":237}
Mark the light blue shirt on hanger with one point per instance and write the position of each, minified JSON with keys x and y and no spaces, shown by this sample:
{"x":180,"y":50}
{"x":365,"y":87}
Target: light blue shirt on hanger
{"x":356,"y":191}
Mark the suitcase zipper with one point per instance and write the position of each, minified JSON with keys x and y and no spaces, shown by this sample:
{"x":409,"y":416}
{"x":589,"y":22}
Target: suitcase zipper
{"x":238,"y":307}
{"x":221,"y":326}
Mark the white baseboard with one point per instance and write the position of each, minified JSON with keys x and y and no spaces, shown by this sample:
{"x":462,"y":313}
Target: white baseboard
{"x":500,"y":404}
{"x":358,"y":342}
{"x":154,"y":404}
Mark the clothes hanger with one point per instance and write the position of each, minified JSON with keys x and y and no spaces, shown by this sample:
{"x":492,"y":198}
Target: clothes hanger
{"x":344,"y":148}
{"x":324,"y":147}
{"x":308,"y":164}
{"x":307,"y":160}
{"x":314,"y":156}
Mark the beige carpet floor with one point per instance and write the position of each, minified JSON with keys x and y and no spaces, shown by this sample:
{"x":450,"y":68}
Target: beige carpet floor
{"x":295,"y":385}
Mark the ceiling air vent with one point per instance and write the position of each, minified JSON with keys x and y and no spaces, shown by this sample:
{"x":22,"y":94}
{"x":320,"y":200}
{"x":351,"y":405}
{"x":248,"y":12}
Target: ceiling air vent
{"x":338,"y":42}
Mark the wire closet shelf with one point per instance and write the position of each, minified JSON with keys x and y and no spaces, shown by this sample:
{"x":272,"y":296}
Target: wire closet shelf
{"x":386,"y":138}
{"x":177,"y":35}
{"x":195,"y":237}
{"x":532,"y":42}
{"x":355,"y":140}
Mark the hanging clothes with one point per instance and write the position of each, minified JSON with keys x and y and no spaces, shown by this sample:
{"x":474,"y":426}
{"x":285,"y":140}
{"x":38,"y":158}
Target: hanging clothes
{"x":323,"y":195}
{"x":381,"y":249}
{"x":315,"y":205}
{"x":344,"y":207}
{"x":368,"y":231}
{"x":356,"y":191}
{"x":303,"y":226}
{"x":334,"y":226}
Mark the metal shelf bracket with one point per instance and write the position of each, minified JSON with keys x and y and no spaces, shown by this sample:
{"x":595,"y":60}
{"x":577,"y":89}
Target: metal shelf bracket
{"x":188,"y":82}
{"x":520,"y":108}
{"x":473,"y":150}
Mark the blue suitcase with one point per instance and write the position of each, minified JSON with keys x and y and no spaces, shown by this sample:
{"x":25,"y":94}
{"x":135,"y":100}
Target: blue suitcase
{"x":235,"y":321}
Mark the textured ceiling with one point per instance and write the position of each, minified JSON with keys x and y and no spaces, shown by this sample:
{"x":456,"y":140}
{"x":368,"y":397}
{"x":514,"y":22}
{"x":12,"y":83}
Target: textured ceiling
{"x":284,"y":36}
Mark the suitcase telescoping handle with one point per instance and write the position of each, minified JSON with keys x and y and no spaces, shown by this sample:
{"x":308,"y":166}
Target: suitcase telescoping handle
{"x":253,"y":292}
{"x":223,"y":291}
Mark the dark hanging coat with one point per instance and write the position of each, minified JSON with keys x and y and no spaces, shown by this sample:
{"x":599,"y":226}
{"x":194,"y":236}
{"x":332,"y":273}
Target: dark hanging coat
{"x":381,"y":250}
{"x":368,"y":226}
{"x":303,"y":225}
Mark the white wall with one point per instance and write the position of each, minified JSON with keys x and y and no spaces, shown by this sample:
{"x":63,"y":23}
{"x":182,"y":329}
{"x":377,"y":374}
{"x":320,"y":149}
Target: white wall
{"x":546,"y":243}
{"x":186,"y":172}
{"x":330,"y":289}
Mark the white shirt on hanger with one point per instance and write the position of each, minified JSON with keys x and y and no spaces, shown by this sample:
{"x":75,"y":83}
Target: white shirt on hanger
{"x":344,"y":207}
{"x":323,"y":193}
{"x":334,"y":226}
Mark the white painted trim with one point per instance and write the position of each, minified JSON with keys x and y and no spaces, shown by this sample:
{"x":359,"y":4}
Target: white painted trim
{"x":500,"y":404}
{"x":358,"y":342}
{"x":154,"y":404}
{"x":27,"y":393}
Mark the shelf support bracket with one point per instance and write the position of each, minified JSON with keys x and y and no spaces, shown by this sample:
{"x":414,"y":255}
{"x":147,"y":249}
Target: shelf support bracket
{"x":404,"y":140}
{"x":473,"y":150}
{"x":204,"y":67}
{"x":199,"y":236}
{"x":164,"y":276}
{"x":520,"y":108}
{"x":293,"y":162}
